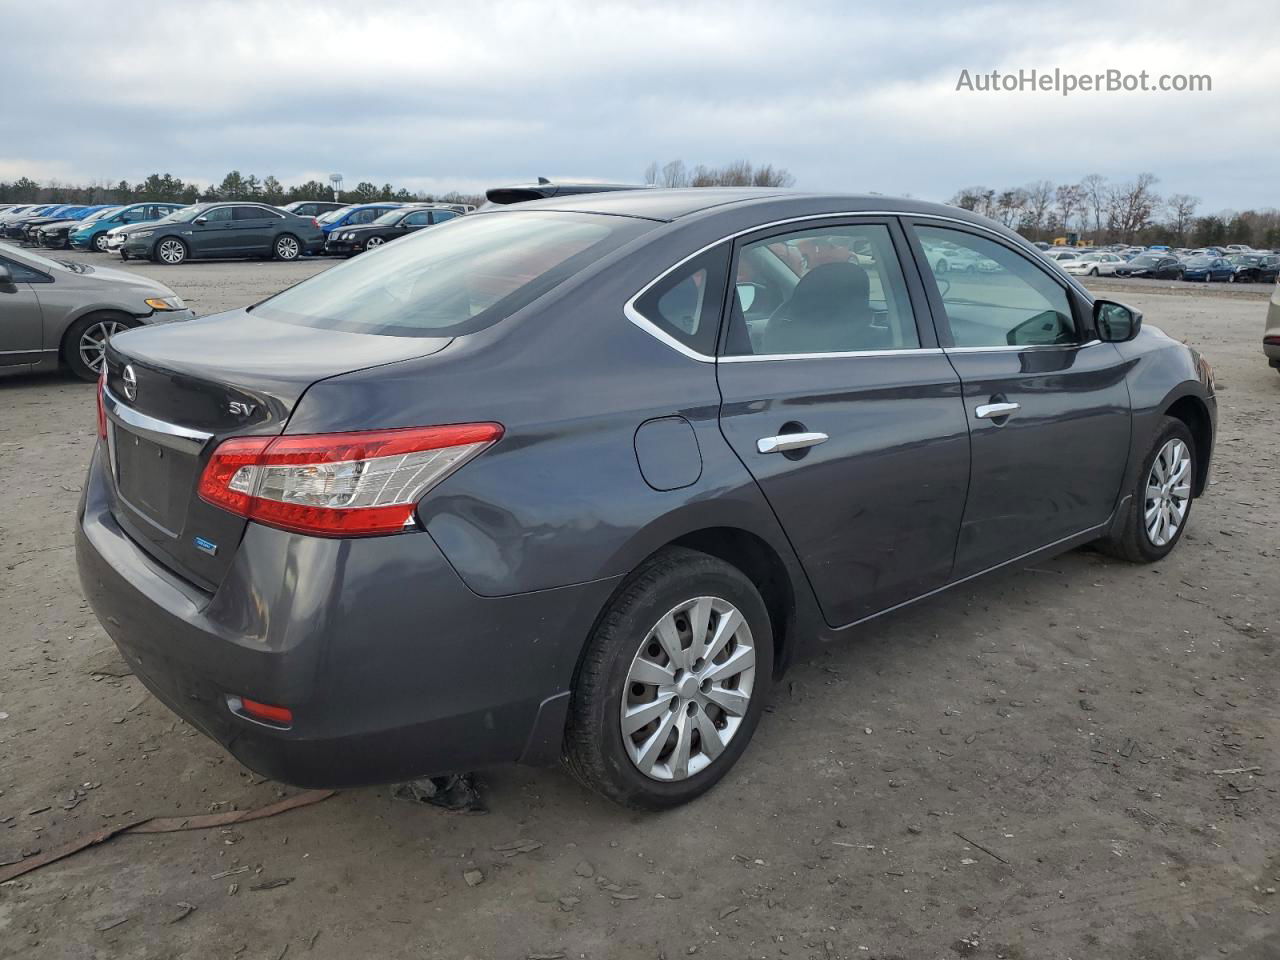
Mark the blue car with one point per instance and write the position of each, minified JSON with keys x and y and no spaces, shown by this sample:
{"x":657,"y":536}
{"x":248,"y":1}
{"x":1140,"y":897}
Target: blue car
{"x":22,"y":230}
{"x":53,"y":233}
{"x":1209,"y":269}
{"x":355,"y":215}
{"x":92,"y":234}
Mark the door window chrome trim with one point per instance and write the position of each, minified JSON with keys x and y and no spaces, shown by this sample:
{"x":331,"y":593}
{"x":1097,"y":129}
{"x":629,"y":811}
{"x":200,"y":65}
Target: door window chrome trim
{"x":159,"y":431}
{"x":630,"y":311}
{"x":840,"y":355}
{"x":1022,"y":348}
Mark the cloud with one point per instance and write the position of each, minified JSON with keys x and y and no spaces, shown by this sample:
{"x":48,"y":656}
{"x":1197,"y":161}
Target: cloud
{"x":847,"y":97}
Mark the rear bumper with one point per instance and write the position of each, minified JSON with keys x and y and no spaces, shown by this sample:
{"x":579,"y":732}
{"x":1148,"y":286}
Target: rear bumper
{"x":391,"y":666}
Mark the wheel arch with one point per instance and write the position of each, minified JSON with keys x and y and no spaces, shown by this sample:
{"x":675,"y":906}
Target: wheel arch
{"x":1194,"y":412}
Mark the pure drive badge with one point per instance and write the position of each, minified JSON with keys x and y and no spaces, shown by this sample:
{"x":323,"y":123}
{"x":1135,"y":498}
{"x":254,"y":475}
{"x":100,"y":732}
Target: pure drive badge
{"x":206,"y":546}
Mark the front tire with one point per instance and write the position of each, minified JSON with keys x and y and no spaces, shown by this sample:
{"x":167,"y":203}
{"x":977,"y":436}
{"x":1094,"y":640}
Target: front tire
{"x":170,"y":251}
{"x":672,"y":682}
{"x":1160,"y":503}
{"x":1093,"y":272}
{"x":85,"y":342}
{"x":99,"y":243}
{"x":287,"y":247}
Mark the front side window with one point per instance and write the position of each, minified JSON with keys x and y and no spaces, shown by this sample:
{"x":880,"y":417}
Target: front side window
{"x":217,"y":215}
{"x":1004,"y":300}
{"x":453,"y":282}
{"x":835,"y":289}
{"x":419,"y":219}
{"x":21,"y":273}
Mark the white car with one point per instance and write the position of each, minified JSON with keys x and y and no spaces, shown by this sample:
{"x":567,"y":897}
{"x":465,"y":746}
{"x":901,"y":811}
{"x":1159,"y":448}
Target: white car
{"x":1092,"y":265}
{"x":115,"y":239}
{"x":1058,"y":254}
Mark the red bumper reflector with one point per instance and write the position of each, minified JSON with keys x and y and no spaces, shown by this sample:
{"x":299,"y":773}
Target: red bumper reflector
{"x":280,"y":716}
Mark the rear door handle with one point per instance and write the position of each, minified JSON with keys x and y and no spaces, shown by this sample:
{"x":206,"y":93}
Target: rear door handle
{"x":993,"y":411}
{"x":790,"y":441}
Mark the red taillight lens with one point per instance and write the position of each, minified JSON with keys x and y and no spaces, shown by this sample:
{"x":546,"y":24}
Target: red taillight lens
{"x":1271,"y":341}
{"x":315,"y":223}
{"x":339,"y":484}
{"x":280,"y":716}
{"x":102,"y":412}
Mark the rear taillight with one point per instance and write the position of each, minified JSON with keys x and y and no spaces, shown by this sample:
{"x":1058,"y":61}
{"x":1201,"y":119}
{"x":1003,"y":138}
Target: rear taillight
{"x":102,"y":412}
{"x":1271,"y":341}
{"x":315,"y":223}
{"x":339,"y":484}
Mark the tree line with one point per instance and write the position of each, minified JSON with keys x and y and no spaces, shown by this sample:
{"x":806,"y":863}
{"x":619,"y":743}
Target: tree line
{"x":1130,"y":211}
{"x":234,"y":186}
{"x":739,"y":173}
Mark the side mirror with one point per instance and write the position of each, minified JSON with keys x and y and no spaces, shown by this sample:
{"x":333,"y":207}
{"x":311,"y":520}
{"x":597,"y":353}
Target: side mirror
{"x":1115,"y":322}
{"x":198,"y":221}
{"x":6,"y":278}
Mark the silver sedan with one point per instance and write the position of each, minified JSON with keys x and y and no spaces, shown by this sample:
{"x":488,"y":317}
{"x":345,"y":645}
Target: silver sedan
{"x":55,"y":312}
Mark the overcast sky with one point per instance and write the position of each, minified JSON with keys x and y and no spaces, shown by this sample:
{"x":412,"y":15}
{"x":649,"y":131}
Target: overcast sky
{"x":433,"y":96}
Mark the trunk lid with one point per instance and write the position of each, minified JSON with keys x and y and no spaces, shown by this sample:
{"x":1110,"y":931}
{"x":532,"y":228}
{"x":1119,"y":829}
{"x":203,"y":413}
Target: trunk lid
{"x":175,"y":391}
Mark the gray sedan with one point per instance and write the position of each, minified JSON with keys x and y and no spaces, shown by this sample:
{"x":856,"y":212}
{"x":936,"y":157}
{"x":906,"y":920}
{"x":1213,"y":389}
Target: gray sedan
{"x":59,"y":312}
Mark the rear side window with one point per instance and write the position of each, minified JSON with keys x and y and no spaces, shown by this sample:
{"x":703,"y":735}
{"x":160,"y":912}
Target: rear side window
{"x":686,"y":303}
{"x":248,"y":213}
{"x":455,"y":281}
{"x":440,"y":216}
{"x":993,"y":296}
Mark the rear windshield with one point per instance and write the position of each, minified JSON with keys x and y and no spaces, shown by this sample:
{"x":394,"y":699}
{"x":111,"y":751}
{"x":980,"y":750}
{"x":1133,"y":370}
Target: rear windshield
{"x":455,"y":278}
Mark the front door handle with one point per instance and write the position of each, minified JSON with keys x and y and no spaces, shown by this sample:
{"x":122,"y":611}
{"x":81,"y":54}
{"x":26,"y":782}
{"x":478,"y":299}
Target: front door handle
{"x":790,"y":441}
{"x":994,"y":411}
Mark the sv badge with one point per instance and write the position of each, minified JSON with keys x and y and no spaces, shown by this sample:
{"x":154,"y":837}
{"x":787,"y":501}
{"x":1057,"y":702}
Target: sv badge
{"x":242,"y":409}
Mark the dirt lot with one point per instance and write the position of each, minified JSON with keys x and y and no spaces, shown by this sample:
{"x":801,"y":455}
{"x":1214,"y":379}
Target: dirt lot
{"x":1023,"y":768}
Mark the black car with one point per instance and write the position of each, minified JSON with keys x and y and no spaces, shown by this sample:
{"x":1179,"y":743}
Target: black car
{"x":1256,"y":267}
{"x":311,"y":208}
{"x":1153,"y":266}
{"x":392,"y":225}
{"x":545,"y":189}
{"x":580,"y":478}
{"x":223,"y":230}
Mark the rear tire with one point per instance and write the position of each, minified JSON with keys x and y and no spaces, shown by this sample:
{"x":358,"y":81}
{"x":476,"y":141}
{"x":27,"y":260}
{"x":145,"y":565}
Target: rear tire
{"x":1135,"y":542}
{"x":685,"y":594}
{"x":287,"y":248}
{"x":85,"y":340}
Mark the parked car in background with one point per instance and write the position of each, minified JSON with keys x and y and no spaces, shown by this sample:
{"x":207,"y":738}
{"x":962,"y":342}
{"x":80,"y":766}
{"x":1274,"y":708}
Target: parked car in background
{"x":60,"y":312}
{"x":32,"y":227}
{"x":425,"y":556}
{"x":1093,"y":264}
{"x":57,"y":235}
{"x":93,"y":234}
{"x":231,"y":229}
{"x":1271,"y":332}
{"x":1256,"y":267}
{"x":544,"y":188}
{"x":1208,"y":269}
{"x":1059,"y":254}
{"x":355,"y":215}
{"x":392,"y":225}
{"x":1238,"y":248}
{"x":1153,"y":266}
{"x":311,"y":208}
{"x":16,"y":228}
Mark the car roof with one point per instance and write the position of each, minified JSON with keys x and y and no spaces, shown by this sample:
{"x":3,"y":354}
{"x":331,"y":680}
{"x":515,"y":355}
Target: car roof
{"x":673,"y":204}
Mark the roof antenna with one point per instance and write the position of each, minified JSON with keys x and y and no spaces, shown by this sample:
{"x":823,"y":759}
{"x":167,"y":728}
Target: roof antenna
{"x":543,"y":180}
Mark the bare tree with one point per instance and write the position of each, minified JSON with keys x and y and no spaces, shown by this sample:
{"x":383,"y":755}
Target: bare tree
{"x":674,"y":174}
{"x":1039,"y":200}
{"x":1010,"y":205}
{"x":1093,"y":189}
{"x":651,"y":174}
{"x":1070,"y":200}
{"x":1181,"y":208}
{"x":1130,"y":205}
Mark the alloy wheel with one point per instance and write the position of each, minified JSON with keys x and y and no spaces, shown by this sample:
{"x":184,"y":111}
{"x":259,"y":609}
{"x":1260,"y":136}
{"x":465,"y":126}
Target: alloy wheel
{"x":100,"y":243}
{"x":1168,"y":492}
{"x":172,"y":252}
{"x":287,"y":248}
{"x":373,"y":242}
{"x":93,"y":342}
{"x":688,"y":689}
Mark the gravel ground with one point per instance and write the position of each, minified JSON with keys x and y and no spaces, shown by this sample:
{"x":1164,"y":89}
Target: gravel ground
{"x":1021,"y":768}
